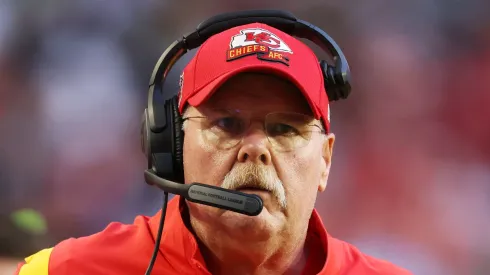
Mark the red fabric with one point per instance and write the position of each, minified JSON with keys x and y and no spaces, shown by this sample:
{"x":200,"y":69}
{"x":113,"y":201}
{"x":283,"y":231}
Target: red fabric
{"x":254,"y":47}
{"x":126,"y":249}
{"x":19,"y":266}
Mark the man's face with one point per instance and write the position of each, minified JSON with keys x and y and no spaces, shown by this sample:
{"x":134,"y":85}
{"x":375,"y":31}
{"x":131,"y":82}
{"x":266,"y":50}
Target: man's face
{"x":286,"y":180}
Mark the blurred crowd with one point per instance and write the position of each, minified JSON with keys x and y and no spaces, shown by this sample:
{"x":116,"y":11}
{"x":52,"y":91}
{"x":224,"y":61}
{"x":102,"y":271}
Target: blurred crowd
{"x":410,"y":180}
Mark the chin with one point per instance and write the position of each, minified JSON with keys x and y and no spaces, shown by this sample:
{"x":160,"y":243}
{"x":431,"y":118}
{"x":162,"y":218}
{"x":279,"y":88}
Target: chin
{"x":262,"y":226}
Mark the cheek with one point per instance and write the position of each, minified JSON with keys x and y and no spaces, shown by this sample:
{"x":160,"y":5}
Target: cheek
{"x":300,"y":174}
{"x":199,"y":157}
{"x":301,"y":169}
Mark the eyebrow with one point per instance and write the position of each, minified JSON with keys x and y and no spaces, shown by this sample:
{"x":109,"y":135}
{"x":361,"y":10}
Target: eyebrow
{"x":216,"y":111}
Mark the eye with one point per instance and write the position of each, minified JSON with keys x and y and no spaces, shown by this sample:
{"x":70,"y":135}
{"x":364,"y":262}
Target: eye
{"x":231,"y":125}
{"x":281,"y":129}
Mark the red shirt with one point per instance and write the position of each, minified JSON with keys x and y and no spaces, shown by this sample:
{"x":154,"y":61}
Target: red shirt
{"x":126,"y":249}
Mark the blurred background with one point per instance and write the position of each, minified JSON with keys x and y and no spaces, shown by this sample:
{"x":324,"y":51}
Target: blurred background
{"x":411,"y":172}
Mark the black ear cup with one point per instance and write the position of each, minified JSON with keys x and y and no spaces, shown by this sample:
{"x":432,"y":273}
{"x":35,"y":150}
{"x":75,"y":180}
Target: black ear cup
{"x":336,"y":83}
{"x":163,"y":148}
{"x":331,"y":84}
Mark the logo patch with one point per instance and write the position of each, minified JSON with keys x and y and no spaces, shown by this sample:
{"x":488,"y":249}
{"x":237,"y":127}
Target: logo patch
{"x":263,"y":43}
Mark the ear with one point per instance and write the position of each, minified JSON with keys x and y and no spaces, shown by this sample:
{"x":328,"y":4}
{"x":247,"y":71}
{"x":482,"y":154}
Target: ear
{"x":327,"y":150}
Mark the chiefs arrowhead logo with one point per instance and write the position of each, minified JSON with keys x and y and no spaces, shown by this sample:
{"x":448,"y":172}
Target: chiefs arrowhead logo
{"x":263,"y":43}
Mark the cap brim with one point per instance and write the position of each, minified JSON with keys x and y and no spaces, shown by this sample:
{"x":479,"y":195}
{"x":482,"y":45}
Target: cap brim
{"x":207,"y":91}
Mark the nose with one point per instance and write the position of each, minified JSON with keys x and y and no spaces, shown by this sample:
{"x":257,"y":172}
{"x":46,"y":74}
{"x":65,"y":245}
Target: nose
{"x":254,"y":148}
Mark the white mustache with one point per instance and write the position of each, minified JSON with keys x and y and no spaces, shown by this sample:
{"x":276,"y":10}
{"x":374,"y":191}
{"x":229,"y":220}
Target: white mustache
{"x":256,"y":176}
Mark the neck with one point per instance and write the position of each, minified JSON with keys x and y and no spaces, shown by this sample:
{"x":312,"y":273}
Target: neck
{"x":284,"y":253}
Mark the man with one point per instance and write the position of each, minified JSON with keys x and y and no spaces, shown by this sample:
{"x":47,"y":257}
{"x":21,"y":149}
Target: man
{"x":254,"y":123}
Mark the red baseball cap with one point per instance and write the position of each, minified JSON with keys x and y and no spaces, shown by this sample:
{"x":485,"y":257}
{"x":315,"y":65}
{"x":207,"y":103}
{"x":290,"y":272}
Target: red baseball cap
{"x":254,"y":47}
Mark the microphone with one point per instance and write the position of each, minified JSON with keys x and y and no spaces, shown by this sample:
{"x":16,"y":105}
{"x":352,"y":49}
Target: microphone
{"x":248,"y":204}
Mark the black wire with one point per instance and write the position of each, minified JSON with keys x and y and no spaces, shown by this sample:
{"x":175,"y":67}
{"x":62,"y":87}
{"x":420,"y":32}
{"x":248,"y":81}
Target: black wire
{"x":159,"y":234}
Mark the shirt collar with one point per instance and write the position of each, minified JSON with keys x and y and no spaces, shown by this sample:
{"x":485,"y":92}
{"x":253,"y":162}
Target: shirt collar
{"x":178,"y":241}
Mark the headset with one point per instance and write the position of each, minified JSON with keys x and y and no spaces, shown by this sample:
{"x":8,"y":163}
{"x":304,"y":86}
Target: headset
{"x":161,"y":132}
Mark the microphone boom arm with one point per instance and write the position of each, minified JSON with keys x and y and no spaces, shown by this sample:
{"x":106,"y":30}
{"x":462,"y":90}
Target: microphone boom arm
{"x":247,"y":204}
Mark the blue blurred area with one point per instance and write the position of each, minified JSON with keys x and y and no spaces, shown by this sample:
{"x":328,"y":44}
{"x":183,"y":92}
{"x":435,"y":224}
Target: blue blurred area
{"x":411,"y":172}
